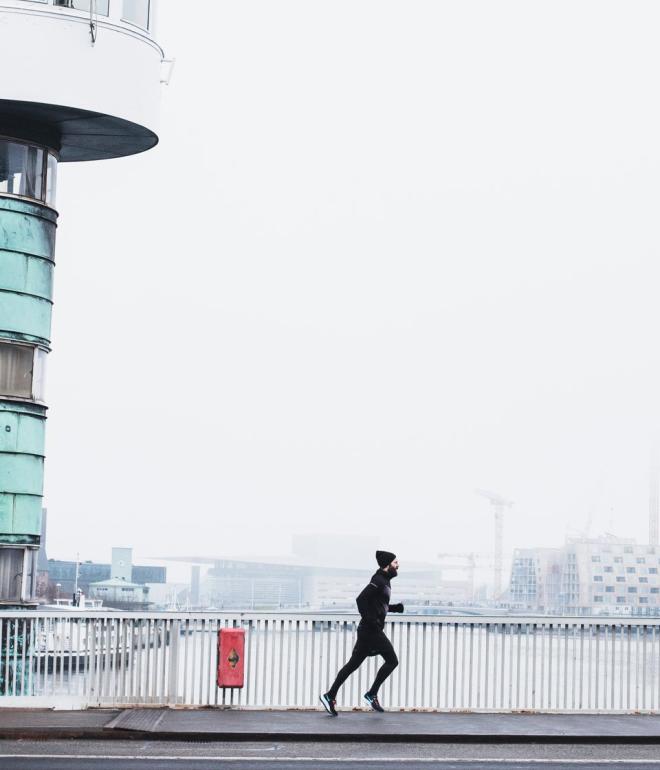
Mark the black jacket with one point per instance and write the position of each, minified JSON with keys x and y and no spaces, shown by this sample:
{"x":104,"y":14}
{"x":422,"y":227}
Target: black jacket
{"x":373,"y":603}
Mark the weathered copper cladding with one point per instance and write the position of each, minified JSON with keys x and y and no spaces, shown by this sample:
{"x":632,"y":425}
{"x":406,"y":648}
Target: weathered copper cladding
{"x":27,"y":249}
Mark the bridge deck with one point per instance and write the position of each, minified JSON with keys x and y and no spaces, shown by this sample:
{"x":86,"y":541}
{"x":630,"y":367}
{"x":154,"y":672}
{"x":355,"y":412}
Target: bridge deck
{"x":236,"y":725}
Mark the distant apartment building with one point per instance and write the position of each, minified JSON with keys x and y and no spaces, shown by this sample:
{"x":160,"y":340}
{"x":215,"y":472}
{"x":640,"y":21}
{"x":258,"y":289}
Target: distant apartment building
{"x":587,"y":576}
{"x":536,"y":578}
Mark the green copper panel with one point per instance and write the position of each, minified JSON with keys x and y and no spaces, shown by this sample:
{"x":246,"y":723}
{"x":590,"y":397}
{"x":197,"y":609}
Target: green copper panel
{"x":27,"y":275}
{"x":27,"y":514}
{"x":20,"y":517}
{"x":21,"y":433}
{"x":31,"y":435}
{"x":27,"y":227}
{"x":25,"y":315}
{"x":21,"y":474}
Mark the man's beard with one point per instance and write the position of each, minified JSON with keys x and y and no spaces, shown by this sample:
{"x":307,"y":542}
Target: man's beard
{"x":392,"y":572}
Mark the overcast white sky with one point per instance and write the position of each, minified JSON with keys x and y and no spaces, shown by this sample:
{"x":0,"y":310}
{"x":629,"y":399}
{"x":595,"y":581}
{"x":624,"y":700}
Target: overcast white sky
{"x":385,"y":253}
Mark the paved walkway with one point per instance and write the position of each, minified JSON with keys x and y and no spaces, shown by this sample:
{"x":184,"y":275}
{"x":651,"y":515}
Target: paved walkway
{"x":405,"y":727}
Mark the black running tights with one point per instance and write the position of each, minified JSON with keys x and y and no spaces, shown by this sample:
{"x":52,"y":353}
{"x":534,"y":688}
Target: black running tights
{"x":368,"y":644}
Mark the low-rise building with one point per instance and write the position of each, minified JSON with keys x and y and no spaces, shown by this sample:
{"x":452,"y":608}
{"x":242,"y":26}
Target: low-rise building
{"x":63,"y":575}
{"x":119,"y":594}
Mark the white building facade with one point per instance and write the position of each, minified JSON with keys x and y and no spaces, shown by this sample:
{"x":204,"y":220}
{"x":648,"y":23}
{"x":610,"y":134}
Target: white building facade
{"x":588,"y":577}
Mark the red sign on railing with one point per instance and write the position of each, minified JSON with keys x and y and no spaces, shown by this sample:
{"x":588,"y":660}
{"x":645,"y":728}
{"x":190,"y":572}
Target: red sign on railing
{"x":231,"y":653}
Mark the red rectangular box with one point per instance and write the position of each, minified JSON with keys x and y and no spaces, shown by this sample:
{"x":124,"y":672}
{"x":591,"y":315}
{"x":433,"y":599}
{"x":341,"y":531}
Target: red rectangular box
{"x":231,"y":655}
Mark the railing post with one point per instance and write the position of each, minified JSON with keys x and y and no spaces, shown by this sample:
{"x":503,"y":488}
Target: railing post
{"x":173,"y":674}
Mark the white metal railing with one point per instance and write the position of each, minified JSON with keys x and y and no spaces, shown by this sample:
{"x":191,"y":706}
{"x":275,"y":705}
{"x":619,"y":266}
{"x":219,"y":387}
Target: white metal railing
{"x":95,"y":658}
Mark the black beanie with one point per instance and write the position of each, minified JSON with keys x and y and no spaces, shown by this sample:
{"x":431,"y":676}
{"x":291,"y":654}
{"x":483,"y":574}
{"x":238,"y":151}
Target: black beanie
{"x":384,"y":558}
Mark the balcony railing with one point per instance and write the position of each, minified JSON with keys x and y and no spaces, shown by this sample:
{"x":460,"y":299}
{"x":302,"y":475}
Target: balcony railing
{"x":92,"y":658}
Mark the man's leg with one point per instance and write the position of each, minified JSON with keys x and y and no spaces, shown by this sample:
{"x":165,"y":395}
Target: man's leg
{"x":360,"y":652}
{"x":384,"y":647}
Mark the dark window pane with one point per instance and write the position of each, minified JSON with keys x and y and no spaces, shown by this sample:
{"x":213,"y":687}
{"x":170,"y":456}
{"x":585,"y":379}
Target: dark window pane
{"x":16,"y":370}
{"x":11,"y":573}
{"x":21,"y":170}
{"x":83,"y":5}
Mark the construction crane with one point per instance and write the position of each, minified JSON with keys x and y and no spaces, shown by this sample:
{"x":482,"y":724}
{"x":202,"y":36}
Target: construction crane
{"x":499,"y":503}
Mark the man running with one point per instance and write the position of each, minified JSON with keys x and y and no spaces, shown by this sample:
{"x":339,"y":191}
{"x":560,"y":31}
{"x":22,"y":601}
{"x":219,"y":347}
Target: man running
{"x":373,"y":606}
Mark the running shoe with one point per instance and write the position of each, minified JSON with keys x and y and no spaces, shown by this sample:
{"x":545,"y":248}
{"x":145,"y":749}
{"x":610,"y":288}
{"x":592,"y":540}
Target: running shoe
{"x":372,"y":700}
{"x":328,"y":704}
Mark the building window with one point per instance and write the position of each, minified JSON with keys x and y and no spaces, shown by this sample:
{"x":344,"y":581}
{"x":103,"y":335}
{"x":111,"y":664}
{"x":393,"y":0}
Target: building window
{"x":22,"y":371}
{"x":16,"y":363}
{"x":18,"y":573}
{"x":628,"y":549}
{"x":598,"y":598}
{"x":618,"y":559}
{"x":609,"y":589}
{"x":653,"y":570}
{"x":620,"y":599}
{"x":632,"y":589}
{"x":598,"y":578}
{"x":21,"y":169}
{"x":631,"y":570}
{"x":655,"y":590}
{"x":620,"y":579}
{"x":641,"y":560}
{"x":27,"y":171}
{"x":100,"y":7}
{"x":595,"y":558}
{"x":643,"y":600}
{"x":608,"y":569}
{"x":136,"y":12}
{"x":51,"y":180}
{"x":643,"y":580}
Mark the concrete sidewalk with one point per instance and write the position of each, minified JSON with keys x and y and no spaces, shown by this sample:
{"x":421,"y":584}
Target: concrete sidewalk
{"x":401,"y":727}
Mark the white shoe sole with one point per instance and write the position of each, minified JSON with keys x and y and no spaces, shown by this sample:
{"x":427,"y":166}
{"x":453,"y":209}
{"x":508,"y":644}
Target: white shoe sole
{"x":326,"y":705}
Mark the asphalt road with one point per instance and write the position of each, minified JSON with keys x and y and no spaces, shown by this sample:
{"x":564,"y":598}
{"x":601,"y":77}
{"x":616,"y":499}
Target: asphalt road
{"x":151,"y":755}
{"x":269,"y":763}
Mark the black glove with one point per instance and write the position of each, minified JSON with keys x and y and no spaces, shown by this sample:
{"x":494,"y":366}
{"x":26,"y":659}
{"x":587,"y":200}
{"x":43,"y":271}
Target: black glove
{"x":396,"y":607}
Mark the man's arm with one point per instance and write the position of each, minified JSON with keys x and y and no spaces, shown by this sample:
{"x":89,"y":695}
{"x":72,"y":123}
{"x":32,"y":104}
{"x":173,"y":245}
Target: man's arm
{"x":395,"y":607}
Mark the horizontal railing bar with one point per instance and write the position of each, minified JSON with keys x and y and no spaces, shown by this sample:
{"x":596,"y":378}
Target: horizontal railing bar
{"x":508,"y":620}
